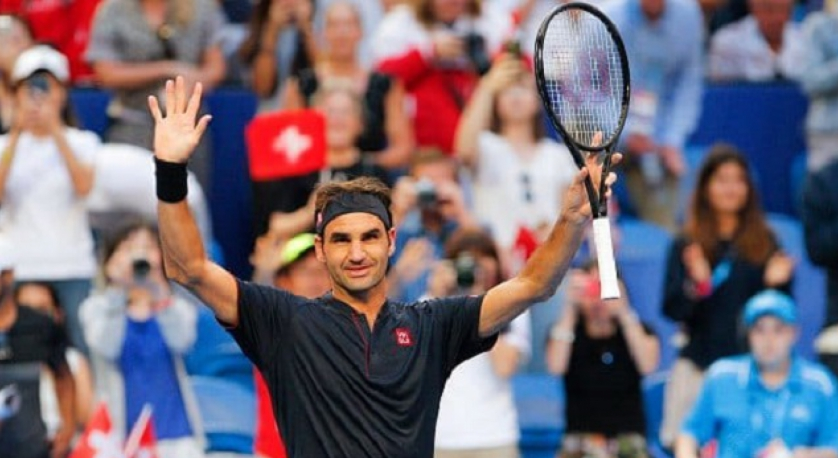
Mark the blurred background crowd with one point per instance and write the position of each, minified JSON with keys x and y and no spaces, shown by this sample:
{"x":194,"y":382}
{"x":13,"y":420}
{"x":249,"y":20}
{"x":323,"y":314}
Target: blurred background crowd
{"x":726,"y":218}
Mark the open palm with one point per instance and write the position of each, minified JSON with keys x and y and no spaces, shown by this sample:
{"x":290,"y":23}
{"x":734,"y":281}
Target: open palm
{"x":176,"y":133}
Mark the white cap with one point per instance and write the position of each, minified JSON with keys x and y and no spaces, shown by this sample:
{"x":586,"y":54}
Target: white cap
{"x":7,"y":261}
{"x":41,"y":57}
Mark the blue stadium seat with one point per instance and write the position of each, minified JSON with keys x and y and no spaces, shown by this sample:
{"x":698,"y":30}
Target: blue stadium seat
{"x":809,"y":287}
{"x":797,"y":179}
{"x":90,"y":107}
{"x":216,"y":354}
{"x":228,"y":412}
{"x":539,"y":399}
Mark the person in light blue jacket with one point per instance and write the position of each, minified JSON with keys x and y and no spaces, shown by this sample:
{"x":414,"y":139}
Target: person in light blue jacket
{"x":819,"y":80}
{"x":663,"y":39}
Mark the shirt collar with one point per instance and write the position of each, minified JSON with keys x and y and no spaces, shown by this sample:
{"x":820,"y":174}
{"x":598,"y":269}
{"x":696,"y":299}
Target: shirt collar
{"x":336,"y":304}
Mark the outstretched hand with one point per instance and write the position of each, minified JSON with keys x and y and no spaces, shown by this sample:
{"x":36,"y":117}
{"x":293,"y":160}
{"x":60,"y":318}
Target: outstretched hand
{"x":176,"y":133}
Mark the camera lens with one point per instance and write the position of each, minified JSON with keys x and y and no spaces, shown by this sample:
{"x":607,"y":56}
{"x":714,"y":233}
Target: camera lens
{"x":425,"y":194}
{"x":141,"y":268}
{"x":465,"y":266}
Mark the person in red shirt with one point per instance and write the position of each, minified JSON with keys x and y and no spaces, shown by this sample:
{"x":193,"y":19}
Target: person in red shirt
{"x":64,"y":24}
{"x":438,"y":49}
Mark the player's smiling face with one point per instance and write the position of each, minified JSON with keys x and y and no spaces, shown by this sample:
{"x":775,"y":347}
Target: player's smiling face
{"x":356,"y":248}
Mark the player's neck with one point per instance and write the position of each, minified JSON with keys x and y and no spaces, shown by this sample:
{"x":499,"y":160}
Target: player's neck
{"x":368,"y":302}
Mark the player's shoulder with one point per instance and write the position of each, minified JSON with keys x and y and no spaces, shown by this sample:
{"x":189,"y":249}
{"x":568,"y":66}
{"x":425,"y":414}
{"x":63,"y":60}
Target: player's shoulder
{"x":733,"y":369}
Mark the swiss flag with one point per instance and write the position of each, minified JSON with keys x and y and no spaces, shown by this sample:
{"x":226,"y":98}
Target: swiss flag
{"x":141,"y":442}
{"x":285,"y":144}
{"x":98,"y":440}
{"x":526,"y":241}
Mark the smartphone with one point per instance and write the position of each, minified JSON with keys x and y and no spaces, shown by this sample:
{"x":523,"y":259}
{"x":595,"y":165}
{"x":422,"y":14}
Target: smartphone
{"x":38,"y":85}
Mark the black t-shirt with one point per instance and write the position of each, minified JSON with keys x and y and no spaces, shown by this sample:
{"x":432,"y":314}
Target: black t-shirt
{"x":292,"y":193}
{"x":714,"y":323}
{"x":340,"y":390}
{"x":603,"y":386}
{"x":34,"y":340}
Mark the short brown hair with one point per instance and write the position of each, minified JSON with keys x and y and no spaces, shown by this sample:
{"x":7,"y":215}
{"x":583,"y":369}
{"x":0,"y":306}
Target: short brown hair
{"x":328,"y":192}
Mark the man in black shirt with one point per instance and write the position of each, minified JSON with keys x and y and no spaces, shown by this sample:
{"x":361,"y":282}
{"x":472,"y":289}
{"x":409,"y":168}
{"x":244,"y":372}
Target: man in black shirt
{"x":352,"y":374}
{"x":29,"y":340}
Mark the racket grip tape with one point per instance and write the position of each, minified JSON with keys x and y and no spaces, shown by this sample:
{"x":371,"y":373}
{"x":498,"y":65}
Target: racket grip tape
{"x":609,"y":287}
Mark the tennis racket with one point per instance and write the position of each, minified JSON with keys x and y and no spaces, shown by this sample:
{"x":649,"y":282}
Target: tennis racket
{"x":583,"y":79}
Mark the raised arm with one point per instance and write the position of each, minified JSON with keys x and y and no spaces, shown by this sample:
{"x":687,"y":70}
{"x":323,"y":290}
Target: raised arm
{"x":544,"y":271}
{"x":176,"y":135}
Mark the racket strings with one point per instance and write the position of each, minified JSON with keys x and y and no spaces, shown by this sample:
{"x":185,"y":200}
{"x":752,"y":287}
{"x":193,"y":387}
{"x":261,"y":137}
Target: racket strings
{"x":584,"y":76}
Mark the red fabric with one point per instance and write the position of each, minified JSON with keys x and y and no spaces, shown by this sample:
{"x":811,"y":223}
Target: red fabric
{"x":267,"y":441}
{"x":98,"y":440}
{"x":64,"y":24}
{"x":286,"y":143}
{"x":146,"y":445}
{"x":437,"y":109}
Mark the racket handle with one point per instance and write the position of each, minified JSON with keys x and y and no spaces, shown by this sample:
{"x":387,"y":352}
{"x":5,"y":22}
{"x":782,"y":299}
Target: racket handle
{"x":609,"y":287}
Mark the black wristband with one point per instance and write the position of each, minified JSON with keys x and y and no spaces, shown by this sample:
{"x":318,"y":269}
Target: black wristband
{"x":171,"y":181}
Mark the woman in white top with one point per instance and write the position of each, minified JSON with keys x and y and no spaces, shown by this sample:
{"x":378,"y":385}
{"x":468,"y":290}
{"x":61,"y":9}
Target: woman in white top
{"x":46,"y":173}
{"x":477,"y":415}
{"x":519,"y":173}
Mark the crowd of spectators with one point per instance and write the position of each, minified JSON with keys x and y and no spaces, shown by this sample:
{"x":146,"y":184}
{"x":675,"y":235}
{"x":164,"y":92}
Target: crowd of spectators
{"x":437,"y":99}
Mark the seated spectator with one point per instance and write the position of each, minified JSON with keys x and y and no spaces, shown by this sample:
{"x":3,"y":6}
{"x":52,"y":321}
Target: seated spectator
{"x":477,"y":415}
{"x":763,"y":46}
{"x":603,"y":351}
{"x":28,"y":341}
{"x":768,"y":403}
{"x":819,"y":213}
{"x":438,"y":49}
{"x":284,"y":206}
{"x":387,"y":130}
{"x":819,"y":80}
{"x":43,"y":298}
{"x":64,"y":25}
{"x":138,"y":331}
{"x":16,"y":37}
{"x":280,"y":43}
{"x":46,"y":173}
{"x":428,"y":206}
{"x":726,"y":254}
{"x":519,"y":173}
{"x":293,"y":267}
{"x":663,"y":40}
{"x":137,"y":44}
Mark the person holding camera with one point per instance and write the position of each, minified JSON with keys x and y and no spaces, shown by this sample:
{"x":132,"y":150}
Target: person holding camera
{"x":439,"y":49}
{"x":428,"y":207}
{"x":477,"y":416}
{"x":46,"y":174}
{"x":138,"y":331}
{"x":519,"y":173}
{"x":603,"y":351}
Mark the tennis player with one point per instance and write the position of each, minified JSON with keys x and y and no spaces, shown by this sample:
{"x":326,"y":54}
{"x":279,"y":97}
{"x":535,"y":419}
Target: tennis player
{"x":351,"y":374}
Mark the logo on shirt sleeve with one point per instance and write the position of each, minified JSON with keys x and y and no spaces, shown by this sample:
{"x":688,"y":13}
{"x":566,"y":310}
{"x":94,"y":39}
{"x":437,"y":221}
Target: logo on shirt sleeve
{"x":404,"y":338}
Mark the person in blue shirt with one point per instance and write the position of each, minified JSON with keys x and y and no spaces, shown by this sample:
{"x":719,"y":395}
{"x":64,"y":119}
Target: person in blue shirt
{"x":663,"y":40}
{"x":769,"y":403}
